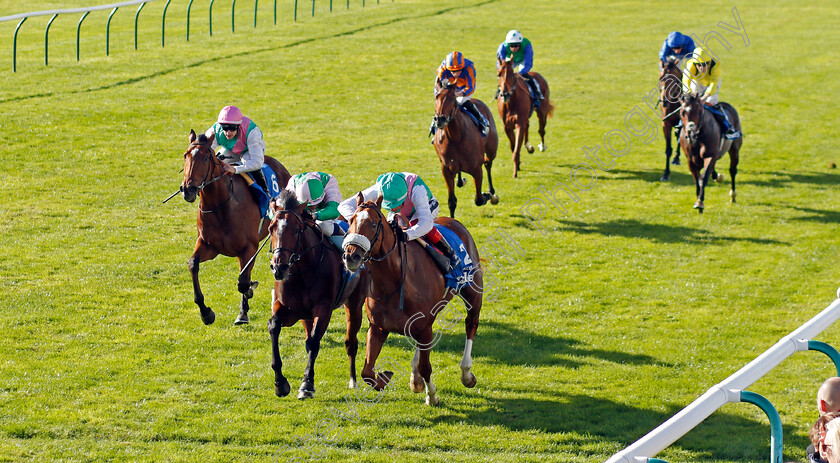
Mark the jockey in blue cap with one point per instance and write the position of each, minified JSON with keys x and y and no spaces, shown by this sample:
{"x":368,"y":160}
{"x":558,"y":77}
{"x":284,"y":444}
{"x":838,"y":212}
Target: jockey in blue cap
{"x":676,"y":45}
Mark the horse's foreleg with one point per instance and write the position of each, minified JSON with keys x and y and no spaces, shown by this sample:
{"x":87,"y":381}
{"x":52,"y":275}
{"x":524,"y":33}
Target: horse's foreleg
{"x":281,"y":384}
{"x":375,"y":338}
{"x":245,"y":285}
{"x":478,"y":178}
{"x":313,"y":346}
{"x":449,"y":178}
{"x":424,"y":366}
{"x":734,"y":154}
{"x":488,"y":166}
{"x":517,"y":149}
{"x":676,"y":160}
{"x":353,"y":313}
{"x":666,"y":129}
{"x":200,"y":254}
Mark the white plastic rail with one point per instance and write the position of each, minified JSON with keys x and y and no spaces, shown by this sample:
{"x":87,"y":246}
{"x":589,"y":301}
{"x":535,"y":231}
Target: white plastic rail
{"x":73,"y":10}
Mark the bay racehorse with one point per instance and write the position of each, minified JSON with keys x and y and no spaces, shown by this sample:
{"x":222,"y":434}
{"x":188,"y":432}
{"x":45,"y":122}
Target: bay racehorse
{"x":308,"y":286}
{"x":703,"y":144}
{"x":670,"y":92}
{"x":228,"y":218}
{"x":461,"y":148}
{"x":406,"y":294}
{"x":515,"y":109}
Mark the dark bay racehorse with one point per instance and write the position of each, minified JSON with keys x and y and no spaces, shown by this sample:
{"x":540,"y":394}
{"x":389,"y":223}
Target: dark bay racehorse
{"x":515,"y":109}
{"x":228,"y":218}
{"x":670,"y":92}
{"x":407,"y":292}
{"x":461,"y":148}
{"x":703,"y":144}
{"x":308,"y":286}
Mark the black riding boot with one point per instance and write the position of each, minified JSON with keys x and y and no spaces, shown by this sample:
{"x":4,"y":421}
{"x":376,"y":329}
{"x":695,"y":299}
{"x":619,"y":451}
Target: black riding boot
{"x":259,"y":178}
{"x":447,"y":250}
{"x":484,"y":125}
{"x":440,"y":260}
{"x":723,"y":119}
{"x":535,"y":86}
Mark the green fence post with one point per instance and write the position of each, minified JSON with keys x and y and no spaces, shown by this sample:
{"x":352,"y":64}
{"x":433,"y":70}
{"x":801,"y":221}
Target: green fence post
{"x":275,"y":12}
{"x":313,"y":8}
{"x":163,"y":24}
{"x":827,"y":350}
{"x":108,"y":32}
{"x":14,"y":46}
{"x":47,"y":38}
{"x":775,"y":423}
{"x":295,"y":10}
{"x":211,"y":17}
{"x":136,"y":16}
{"x":78,"y":29}
{"x":348,"y":4}
{"x":232,"y":13}
{"x":255,"y":13}
{"x":189,"y":6}
{"x":330,"y":6}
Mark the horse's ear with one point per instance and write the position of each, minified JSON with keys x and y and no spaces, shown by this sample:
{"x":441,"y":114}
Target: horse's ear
{"x":211,"y":138}
{"x":192,"y":135}
{"x":379,"y":201}
{"x":360,"y":199}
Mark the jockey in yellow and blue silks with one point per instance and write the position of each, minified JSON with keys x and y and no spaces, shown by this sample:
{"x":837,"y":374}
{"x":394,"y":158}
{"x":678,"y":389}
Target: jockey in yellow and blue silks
{"x":676,"y":45}
{"x":319,"y":191}
{"x":460,"y":72}
{"x":243,"y":147}
{"x":518,"y":49}
{"x":407,"y":194}
{"x":702,"y":77}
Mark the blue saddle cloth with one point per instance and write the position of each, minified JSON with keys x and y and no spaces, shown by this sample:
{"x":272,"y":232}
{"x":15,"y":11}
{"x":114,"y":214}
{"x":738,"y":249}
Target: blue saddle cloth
{"x":465,"y":111}
{"x":462,"y":274}
{"x":260,"y":195}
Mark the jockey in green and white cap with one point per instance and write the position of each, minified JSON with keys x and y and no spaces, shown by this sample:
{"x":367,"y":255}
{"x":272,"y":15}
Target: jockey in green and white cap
{"x":407,"y":194}
{"x":319,"y":191}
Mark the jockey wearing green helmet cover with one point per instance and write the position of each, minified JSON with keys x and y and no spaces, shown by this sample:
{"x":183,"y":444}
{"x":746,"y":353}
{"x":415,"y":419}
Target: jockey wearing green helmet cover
{"x":319,"y":191}
{"x":407,"y":194}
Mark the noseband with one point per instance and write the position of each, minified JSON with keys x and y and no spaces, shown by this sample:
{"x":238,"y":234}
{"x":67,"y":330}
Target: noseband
{"x":368,"y":256}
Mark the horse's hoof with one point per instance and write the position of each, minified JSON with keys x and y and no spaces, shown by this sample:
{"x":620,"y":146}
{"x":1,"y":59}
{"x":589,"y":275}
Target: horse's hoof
{"x":461,"y":182}
{"x":530,"y":149}
{"x":542,"y":147}
{"x":282,"y":389}
{"x":382,"y":380}
{"x":676,"y":161}
{"x":209,"y":318}
{"x":303,"y":395}
{"x":665,"y":178}
{"x":699,"y":205}
{"x":417,"y":384}
{"x":720,"y":178}
{"x":433,"y":400}
{"x":352,"y":383}
{"x":468,"y":379}
{"x":494,"y":200}
{"x":242,"y":319}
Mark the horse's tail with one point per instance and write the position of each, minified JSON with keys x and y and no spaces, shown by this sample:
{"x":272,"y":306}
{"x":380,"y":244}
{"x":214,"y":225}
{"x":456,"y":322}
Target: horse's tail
{"x":550,"y":111}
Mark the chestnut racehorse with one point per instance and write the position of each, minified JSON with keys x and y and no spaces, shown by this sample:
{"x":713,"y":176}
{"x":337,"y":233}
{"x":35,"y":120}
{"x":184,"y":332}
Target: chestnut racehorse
{"x":228,"y":218}
{"x":308,"y":286}
{"x":515,"y":108}
{"x":461,"y":148}
{"x":670,"y":92}
{"x":703,"y":144}
{"x":407,"y":292}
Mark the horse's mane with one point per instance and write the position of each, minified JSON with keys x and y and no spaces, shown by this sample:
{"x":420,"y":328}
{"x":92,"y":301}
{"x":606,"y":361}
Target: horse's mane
{"x":202,"y":139}
{"x":287,"y":200}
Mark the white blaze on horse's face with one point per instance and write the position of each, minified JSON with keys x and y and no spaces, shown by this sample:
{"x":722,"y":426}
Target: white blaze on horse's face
{"x":361,"y":216}
{"x":194,"y":151}
{"x":281,"y":227}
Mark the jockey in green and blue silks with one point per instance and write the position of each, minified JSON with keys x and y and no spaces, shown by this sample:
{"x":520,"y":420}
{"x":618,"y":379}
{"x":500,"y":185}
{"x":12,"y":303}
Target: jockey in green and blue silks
{"x":241,"y":142}
{"x":518,"y":49}
{"x":407,"y":194}
{"x":319,"y":191}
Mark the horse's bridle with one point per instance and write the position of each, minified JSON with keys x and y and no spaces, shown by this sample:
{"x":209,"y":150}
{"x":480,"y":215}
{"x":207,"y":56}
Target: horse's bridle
{"x":442,"y":121}
{"x":368,"y":256}
{"x":193,"y":148}
{"x":296,"y":253}
{"x":504,"y":92}
{"x":693,"y":130}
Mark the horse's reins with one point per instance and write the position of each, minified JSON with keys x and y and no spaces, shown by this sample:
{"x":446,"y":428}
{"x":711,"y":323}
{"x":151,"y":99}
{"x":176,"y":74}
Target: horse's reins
{"x":216,"y":161}
{"x":294,"y":254}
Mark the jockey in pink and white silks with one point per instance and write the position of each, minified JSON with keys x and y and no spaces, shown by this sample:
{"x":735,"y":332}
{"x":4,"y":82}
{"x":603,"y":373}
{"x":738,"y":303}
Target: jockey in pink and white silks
{"x":407,"y":194}
{"x":320,"y":192}
{"x":241,"y":142}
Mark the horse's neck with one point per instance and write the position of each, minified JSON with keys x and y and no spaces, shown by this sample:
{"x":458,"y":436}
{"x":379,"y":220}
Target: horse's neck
{"x":219,"y":195}
{"x":454,"y":130}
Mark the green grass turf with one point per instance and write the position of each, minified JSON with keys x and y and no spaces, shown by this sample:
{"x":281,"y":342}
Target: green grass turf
{"x":626,"y":309}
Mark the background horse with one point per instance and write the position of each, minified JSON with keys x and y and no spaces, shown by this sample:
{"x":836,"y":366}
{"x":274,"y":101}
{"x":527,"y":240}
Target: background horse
{"x":515,"y":109}
{"x":228,"y":218}
{"x":670,"y":91}
{"x":406,"y":294}
{"x":308,"y":286}
{"x":461,"y":148}
{"x":703,"y":144}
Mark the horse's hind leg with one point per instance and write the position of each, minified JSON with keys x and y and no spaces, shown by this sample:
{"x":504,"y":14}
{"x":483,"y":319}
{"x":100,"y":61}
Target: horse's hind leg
{"x":313,"y":346}
{"x":473,"y":300}
{"x":488,"y":166}
{"x":353,"y":312}
{"x":201,"y":254}
{"x":245,"y":286}
{"x":734,"y":154}
{"x":543,"y":117}
{"x":449,"y":178}
{"x":424,"y":366}
{"x":666,"y":129}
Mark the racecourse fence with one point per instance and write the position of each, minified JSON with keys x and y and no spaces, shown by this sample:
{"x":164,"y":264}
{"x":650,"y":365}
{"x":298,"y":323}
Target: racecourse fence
{"x":732,"y":390}
{"x":116,"y":6}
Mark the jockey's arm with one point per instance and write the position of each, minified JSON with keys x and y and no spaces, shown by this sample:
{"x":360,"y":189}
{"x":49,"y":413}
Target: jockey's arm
{"x":328,"y":209}
{"x":254,"y":157}
{"x":527,"y":60}
{"x":422,"y":213}
{"x":714,"y":77}
{"x":501,"y":54}
{"x":469,"y":77}
{"x":348,"y":206}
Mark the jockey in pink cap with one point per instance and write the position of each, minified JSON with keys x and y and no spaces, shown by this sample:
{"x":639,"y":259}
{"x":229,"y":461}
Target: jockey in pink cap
{"x":241,"y":142}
